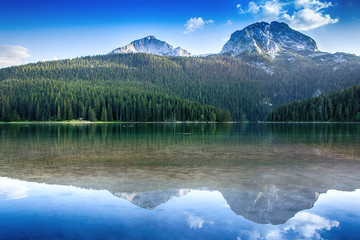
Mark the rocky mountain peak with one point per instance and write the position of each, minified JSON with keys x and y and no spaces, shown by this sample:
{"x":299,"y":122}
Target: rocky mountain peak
{"x":268,"y":38}
{"x":152,"y":45}
{"x":151,"y":37}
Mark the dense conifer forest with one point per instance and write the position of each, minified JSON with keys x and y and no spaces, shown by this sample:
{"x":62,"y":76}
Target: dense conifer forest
{"x":49,"y":100}
{"x":180,"y":88}
{"x":342,"y":106}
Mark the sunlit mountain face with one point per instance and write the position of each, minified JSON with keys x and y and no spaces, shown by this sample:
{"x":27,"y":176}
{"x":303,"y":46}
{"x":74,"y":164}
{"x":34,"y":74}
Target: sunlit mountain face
{"x":151,"y":45}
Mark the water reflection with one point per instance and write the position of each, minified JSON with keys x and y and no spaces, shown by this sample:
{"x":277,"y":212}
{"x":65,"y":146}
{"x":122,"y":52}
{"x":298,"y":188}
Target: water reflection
{"x":250,"y":180}
{"x":309,"y":225}
{"x":12,"y":189}
{"x":54,"y":211}
{"x":152,"y":199}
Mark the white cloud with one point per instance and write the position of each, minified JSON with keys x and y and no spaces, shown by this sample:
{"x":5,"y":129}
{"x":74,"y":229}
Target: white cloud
{"x":267,"y":11}
{"x":253,"y":8}
{"x":12,"y":55}
{"x":313,"y":4}
{"x":306,"y":19}
{"x":228,"y":23}
{"x":241,"y":11}
{"x":196,"y":23}
{"x":299,"y":14}
{"x":55,"y":58}
{"x":272,"y":9}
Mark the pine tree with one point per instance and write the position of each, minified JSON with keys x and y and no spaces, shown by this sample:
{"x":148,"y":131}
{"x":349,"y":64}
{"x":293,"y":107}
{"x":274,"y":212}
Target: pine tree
{"x":104,"y":115}
{"x":58,"y":115}
{"x":92,"y":115}
{"x":70,"y":113}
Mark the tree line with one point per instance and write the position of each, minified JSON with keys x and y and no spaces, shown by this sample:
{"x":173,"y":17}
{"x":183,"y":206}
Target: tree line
{"x":342,"y":106}
{"x":54,"y":100}
{"x":237,"y":85}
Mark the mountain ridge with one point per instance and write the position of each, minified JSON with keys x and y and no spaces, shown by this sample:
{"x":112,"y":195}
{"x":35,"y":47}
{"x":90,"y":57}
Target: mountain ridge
{"x":151,"y":45}
{"x":275,"y":40}
{"x":268,"y":38}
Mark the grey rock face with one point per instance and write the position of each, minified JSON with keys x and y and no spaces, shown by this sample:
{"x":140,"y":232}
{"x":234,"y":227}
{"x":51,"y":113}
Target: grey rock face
{"x":266,"y":38}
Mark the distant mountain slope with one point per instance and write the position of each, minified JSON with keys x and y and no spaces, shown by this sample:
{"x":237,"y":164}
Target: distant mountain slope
{"x":221,"y":81}
{"x":151,"y":45}
{"x":343,"y":105}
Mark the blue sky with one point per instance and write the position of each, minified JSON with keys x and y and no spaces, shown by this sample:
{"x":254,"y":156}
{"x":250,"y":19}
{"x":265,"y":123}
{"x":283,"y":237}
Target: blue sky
{"x":35,"y":30}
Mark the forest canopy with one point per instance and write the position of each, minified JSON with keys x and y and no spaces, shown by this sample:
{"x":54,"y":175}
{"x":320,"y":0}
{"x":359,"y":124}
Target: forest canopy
{"x":247,"y":88}
{"x":342,"y":106}
{"x":50,"y":100}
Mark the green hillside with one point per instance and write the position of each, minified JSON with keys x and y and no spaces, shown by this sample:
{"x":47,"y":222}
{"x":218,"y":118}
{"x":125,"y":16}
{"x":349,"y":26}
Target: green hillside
{"x":45,"y":100}
{"x":343,"y":105}
{"x":247,"y":88}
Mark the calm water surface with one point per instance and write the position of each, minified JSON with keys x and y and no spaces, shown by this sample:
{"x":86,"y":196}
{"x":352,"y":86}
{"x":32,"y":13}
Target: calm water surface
{"x":180,"y":181}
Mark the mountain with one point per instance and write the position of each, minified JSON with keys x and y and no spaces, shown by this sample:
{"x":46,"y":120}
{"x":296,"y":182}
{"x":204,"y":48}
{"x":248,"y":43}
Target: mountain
{"x":268,"y":38}
{"x":245,"y":89}
{"x":275,"y":47}
{"x":260,"y":68}
{"x":151,"y":45}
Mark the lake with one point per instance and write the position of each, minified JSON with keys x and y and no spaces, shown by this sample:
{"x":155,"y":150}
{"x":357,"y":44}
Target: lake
{"x":180,"y":181}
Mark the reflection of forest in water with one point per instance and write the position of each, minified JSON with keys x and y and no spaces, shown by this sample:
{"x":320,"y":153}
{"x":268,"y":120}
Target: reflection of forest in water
{"x":266,"y":172}
{"x":184,"y":145}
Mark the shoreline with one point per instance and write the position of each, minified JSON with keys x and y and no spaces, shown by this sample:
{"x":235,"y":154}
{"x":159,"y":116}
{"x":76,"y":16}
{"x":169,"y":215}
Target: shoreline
{"x":310,"y":122}
{"x":112,"y":122}
{"x":75,"y":122}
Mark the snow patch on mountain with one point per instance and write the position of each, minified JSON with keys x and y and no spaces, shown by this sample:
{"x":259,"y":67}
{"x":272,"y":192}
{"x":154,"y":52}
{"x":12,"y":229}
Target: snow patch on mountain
{"x":317,"y":54}
{"x":339,"y":59}
{"x":265,"y":38}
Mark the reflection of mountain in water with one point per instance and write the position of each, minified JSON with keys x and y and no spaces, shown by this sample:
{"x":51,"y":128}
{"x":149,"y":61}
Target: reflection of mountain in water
{"x":261,"y":194}
{"x":265,"y":173}
{"x":152,"y":199}
{"x":272,"y":205}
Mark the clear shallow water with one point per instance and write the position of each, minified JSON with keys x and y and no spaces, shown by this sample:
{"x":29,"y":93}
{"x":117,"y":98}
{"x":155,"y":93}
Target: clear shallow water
{"x":157,"y":181}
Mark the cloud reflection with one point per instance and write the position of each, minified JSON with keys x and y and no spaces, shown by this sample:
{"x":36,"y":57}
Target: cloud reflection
{"x":12,"y":189}
{"x":194,"y":222}
{"x":303,"y":225}
{"x":307,"y":225}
